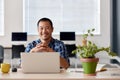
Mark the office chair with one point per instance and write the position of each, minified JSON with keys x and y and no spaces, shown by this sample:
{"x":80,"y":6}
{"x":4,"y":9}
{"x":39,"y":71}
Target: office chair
{"x":68,"y":36}
{"x":70,"y":48}
{"x":1,"y":54}
{"x":16,"y":50}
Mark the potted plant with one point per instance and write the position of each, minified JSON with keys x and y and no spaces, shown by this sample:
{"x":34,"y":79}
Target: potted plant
{"x":87,"y":52}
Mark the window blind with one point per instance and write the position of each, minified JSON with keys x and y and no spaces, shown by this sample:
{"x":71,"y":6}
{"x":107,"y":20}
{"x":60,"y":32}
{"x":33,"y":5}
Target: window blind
{"x":1,"y":17}
{"x":67,"y":15}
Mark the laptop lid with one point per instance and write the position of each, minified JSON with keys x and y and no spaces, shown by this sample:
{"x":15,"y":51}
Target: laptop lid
{"x":41,"y":62}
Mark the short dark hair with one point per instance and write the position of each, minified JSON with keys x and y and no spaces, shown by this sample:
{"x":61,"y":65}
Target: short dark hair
{"x":45,"y":19}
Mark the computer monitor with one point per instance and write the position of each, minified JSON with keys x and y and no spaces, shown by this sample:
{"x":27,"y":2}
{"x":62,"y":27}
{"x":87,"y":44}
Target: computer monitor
{"x":67,"y":36}
{"x":19,"y":36}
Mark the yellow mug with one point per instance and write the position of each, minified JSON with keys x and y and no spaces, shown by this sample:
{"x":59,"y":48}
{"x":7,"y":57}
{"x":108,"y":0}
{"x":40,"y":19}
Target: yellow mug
{"x":5,"y":67}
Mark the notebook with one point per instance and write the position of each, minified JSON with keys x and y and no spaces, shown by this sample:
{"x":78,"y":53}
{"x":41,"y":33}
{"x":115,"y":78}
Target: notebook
{"x":41,"y":62}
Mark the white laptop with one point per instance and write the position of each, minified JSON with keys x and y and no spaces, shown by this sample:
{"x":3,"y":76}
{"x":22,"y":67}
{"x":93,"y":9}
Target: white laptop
{"x":41,"y":62}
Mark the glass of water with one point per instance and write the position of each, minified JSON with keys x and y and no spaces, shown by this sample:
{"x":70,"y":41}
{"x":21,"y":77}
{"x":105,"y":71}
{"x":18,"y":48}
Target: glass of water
{"x":15,"y":63}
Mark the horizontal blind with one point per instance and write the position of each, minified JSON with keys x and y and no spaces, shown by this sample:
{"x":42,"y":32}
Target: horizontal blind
{"x":1,"y":17}
{"x":67,"y":15}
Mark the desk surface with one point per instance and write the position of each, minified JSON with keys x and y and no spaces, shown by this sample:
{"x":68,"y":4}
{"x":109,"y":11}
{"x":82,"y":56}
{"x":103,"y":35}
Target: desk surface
{"x":110,"y":74}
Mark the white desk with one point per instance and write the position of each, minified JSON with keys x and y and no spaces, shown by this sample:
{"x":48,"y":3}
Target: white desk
{"x":110,"y":74}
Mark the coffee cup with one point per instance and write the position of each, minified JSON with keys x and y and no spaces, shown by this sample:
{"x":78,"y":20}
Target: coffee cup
{"x":5,"y":67}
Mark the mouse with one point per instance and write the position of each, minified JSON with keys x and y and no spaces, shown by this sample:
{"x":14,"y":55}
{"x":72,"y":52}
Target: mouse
{"x":14,"y":69}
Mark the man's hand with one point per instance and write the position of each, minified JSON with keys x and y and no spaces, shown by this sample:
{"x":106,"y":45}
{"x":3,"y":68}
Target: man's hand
{"x":42,"y":47}
{"x":63,"y":63}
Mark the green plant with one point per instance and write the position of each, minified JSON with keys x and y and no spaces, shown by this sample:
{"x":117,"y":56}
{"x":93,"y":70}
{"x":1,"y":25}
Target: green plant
{"x":90,"y":49}
{"x":89,"y":33}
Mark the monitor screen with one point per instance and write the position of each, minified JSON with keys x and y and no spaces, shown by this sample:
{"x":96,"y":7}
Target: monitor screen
{"x":19,"y":36}
{"x":67,"y":36}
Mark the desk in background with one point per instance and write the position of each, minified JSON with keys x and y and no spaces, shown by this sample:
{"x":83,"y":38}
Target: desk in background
{"x":110,"y":74}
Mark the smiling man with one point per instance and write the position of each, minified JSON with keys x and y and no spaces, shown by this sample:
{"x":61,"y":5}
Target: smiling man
{"x":46,"y":43}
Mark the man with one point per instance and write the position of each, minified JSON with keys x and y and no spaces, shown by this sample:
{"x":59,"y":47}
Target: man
{"x":48,"y":44}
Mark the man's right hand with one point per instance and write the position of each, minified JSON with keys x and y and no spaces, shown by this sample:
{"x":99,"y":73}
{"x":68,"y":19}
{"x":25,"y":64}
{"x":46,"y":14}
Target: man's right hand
{"x":39,"y":48}
{"x":42,"y":47}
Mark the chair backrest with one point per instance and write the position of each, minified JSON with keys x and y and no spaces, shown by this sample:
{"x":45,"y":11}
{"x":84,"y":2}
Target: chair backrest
{"x":70,"y":48}
{"x":1,"y":54}
{"x":67,"y":36}
{"x":16,"y":50}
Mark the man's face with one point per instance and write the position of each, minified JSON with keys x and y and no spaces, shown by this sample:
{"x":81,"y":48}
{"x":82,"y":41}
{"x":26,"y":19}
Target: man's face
{"x":45,"y":30}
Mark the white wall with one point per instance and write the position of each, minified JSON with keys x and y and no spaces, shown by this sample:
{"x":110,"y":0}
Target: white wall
{"x":13,"y":23}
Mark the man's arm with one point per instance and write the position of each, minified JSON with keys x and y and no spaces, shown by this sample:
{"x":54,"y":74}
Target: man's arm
{"x":64,"y":59}
{"x":63,"y":63}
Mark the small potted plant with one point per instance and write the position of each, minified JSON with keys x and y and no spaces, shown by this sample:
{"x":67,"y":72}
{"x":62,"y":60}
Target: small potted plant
{"x":87,"y":52}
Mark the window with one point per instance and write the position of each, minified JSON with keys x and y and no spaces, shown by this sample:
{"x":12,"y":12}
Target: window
{"x":67,"y":15}
{"x":1,"y":17}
